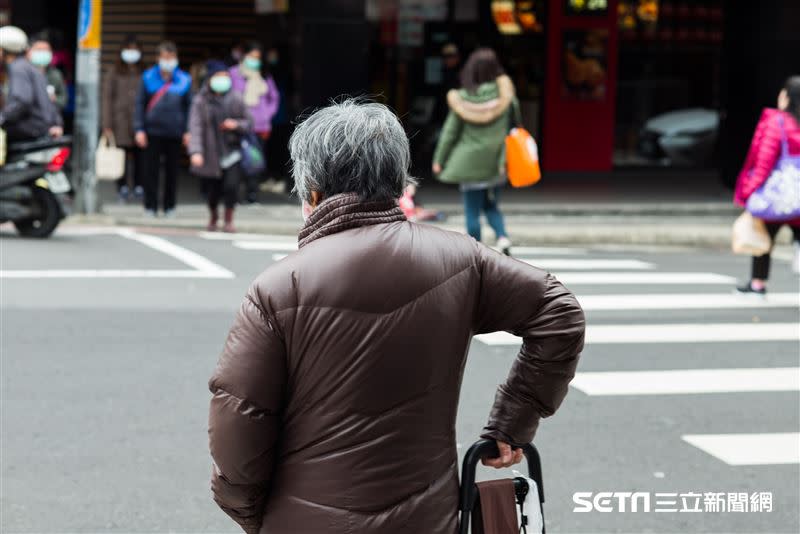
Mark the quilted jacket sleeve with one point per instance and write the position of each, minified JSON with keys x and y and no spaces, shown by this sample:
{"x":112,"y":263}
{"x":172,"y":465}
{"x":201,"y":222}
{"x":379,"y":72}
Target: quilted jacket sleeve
{"x":766,"y":155}
{"x":248,"y":390}
{"x":530,"y":303}
{"x":451,"y":131}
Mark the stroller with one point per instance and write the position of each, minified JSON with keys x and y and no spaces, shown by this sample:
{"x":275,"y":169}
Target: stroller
{"x":485,"y":514}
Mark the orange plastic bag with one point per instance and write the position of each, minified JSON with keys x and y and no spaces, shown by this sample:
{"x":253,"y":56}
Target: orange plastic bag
{"x":522,"y":158}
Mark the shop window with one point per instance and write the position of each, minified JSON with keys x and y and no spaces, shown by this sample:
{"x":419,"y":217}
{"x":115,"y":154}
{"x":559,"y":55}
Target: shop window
{"x":586,"y":7}
{"x":668,"y":83}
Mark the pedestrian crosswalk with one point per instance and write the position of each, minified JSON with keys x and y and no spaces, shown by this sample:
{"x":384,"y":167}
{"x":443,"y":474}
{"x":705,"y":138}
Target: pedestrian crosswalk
{"x":703,"y":312}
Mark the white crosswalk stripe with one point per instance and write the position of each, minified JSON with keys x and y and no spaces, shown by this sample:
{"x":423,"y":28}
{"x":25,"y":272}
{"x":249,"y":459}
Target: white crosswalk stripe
{"x":749,"y":449}
{"x":581,"y":264}
{"x":687,"y":301}
{"x":688,"y":381}
{"x":641,"y":278}
{"x":670,"y":333}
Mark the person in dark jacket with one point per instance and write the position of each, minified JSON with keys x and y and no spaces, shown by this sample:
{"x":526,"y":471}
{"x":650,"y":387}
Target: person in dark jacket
{"x":120,"y":86}
{"x":161,"y":122}
{"x":335,"y":397}
{"x":217,"y":121}
{"x":28,"y":111}
{"x":40,"y":54}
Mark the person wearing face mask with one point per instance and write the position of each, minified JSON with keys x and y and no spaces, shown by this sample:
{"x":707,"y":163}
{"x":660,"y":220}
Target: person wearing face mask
{"x":120,"y":84}
{"x":28,"y":111}
{"x":40,"y":54}
{"x":160,"y":122}
{"x":217,"y":121}
{"x":261,"y":97}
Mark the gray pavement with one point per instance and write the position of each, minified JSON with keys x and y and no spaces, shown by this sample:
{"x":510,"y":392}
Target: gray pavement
{"x":108,"y":340}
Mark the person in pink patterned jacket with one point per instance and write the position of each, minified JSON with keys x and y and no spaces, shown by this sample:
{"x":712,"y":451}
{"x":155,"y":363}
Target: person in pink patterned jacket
{"x":261,"y":97}
{"x":764,"y":152}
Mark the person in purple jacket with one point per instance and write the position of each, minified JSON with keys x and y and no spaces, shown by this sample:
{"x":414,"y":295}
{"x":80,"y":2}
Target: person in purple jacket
{"x":261,"y":97}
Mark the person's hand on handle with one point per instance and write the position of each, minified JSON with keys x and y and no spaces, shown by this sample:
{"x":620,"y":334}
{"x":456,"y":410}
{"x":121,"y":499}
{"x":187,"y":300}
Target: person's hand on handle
{"x":186,"y":138}
{"x":56,"y":131}
{"x":196,"y":160}
{"x":108,"y":132}
{"x":437,"y":168}
{"x":141,"y":139}
{"x":507,"y":458}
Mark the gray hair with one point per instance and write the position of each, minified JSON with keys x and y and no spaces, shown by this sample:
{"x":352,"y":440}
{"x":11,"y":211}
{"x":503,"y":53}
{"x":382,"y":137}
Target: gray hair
{"x":353,"y":146}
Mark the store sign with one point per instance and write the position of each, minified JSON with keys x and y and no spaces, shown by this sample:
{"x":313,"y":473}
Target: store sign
{"x":264,"y":7}
{"x":89,"y":14}
{"x":505,"y":19}
{"x":411,"y":18}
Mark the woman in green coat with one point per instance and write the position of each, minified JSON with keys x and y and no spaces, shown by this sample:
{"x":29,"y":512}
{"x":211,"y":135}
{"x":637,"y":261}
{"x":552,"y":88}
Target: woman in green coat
{"x":471,"y":147}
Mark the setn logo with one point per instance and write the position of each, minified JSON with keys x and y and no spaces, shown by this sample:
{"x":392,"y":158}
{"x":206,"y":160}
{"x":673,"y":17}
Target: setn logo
{"x":611,"y":501}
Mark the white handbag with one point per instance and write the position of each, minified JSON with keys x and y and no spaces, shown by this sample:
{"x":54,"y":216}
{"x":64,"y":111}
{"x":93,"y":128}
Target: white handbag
{"x":750,"y":236}
{"x":109,"y":160}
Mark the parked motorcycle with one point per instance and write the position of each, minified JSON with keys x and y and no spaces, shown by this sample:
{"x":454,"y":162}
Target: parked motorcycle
{"x":35,"y":193}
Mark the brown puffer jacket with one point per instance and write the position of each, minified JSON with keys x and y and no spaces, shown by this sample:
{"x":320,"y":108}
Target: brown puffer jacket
{"x":334,"y":401}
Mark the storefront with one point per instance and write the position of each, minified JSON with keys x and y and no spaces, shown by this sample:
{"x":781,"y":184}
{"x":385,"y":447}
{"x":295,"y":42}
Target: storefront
{"x":605,"y":85}
{"x":595,"y":77}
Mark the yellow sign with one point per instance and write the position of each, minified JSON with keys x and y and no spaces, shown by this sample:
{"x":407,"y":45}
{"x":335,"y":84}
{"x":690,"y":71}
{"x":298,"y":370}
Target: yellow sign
{"x":89,"y":17}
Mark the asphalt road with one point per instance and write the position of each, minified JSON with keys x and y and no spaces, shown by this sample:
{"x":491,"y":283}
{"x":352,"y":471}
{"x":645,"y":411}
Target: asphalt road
{"x":109,"y":337}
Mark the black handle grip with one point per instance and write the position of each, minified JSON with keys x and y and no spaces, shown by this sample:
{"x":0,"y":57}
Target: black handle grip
{"x":487,"y":448}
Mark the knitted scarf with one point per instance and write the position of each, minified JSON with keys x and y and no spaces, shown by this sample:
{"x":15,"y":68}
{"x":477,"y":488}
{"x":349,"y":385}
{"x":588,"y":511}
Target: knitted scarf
{"x":255,"y":86}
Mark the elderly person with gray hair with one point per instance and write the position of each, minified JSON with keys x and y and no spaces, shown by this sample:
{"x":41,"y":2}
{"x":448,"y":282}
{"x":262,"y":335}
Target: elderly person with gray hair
{"x":335,"y":398}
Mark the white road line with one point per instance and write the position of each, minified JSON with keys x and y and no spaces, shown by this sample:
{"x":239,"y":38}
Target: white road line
{"x":266,"y":245}
{"x":192,"y":259}
{"x":688,"y":381}
{"x":688,"y":301}
{"x":224,"y":236}
{"x":201,"y":267}
{"x":637,"y":278}
{"x":555,"y":251}
{"x":585,"y":264}
{"x":109,"y":273}
{"x":749,"y":449}
{"x":671,"y":333}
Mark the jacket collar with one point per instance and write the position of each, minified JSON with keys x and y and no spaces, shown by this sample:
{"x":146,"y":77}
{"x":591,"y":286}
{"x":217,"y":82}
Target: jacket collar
{"x":347,"y":211}
{"x":483,"y":112}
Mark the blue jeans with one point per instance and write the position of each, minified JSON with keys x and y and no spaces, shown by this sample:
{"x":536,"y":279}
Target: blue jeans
{"x":485,"y":200}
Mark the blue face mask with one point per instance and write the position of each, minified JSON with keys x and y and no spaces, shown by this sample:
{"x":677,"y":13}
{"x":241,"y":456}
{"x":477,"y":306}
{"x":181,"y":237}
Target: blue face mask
{"x":252,"y":63}
{"x":41,"y":58}
{"x":220,"y":84}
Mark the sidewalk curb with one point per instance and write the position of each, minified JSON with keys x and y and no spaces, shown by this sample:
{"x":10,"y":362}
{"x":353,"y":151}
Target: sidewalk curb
{"x":546,"y":232}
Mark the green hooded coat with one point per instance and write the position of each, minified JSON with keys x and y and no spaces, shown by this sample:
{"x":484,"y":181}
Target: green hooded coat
{"x":471,"y":147}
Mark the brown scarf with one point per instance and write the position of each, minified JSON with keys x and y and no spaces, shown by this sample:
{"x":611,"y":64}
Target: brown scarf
{"x":346,"y":211}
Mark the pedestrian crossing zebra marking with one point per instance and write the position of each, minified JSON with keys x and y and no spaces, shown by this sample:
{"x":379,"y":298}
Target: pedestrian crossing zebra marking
{"x":687,"y":301}
{"x":286,"y":246}
{"x":580,"y":264}
{"x":687,"y":381}
{"x":563,"y":263}
{"x":749,"y":449}
{"x":642,"y":278}
{"x":669,"y":333}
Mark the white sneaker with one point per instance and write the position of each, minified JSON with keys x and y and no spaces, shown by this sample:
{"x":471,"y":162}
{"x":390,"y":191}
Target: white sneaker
{"x":504,"y":244}
{"x":796,"y":259}
{"x":169,"y":214}
{"x":150,"y":214}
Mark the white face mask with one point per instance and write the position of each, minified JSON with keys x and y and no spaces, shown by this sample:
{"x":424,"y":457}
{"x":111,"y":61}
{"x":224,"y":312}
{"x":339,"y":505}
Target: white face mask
{"x":306,"y":210}
{"x":130,"y":55}
{"x":168,"y":65}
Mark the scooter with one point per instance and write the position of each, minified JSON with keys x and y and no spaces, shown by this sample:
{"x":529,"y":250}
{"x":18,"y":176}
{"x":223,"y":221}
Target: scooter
{"x":34,"y":189}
